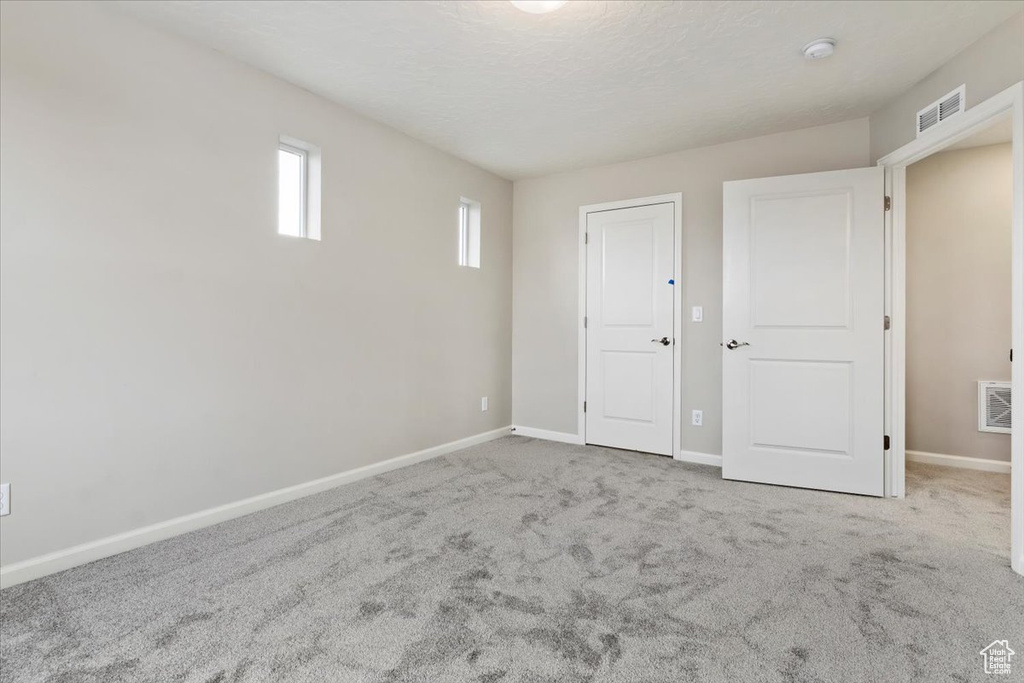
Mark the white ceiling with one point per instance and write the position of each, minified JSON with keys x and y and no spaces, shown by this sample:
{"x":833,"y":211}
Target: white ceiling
{"x":595,"y":82}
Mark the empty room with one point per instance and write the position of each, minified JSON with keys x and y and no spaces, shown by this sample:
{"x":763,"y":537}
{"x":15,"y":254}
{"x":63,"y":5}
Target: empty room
{"x":511,"y":340}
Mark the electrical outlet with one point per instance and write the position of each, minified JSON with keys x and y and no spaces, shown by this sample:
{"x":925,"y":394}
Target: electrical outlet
{"x":698,"y":314}
{"x":698,"y":418}
{"x":483,"y":404}
{"x":5,"y":499}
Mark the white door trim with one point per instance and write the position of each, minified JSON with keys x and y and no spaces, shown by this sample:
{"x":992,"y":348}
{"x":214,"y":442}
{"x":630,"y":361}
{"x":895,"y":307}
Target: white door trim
{"x":958,"y":128}
{"x":676,"y":199}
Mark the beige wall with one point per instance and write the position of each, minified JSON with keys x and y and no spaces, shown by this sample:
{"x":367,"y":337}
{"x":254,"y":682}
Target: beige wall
{"x":959,"y":207}
{"x":988,"y":66}
{"x":546,"y":275}
{"x":163,"y":349}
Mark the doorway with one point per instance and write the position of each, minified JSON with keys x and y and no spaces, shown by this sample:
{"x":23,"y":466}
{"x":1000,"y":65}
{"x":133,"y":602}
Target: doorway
{"x":629,"y":355}
{"x":743,"y":459}
{"x":1009,"y":102}
{"x":959,"y":274}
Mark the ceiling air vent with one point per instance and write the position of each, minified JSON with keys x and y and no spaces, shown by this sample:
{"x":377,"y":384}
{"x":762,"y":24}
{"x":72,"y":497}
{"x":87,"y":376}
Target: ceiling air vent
{"x":994,"y":407}
{"x":941,"y":109}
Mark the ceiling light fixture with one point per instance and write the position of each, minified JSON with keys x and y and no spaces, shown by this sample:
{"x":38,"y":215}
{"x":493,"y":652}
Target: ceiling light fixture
{"x":538,"y":6}
{"x":820,"y":48}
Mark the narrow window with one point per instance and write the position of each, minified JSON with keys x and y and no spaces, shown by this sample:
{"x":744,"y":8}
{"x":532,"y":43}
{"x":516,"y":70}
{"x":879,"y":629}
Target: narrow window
{"x":463,"y":233}
{"x":469,"y":233}
{"x":298,"y":189}
{"x":291,"y":191}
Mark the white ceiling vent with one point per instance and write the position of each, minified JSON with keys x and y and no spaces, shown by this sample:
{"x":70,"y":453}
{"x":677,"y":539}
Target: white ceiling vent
{"x":994,"y":407}
{"x":941,"y":109}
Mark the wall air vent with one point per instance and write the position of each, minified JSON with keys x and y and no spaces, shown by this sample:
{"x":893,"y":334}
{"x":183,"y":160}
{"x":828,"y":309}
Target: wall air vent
{"x":941,"y":109}
{"x":953,"y":104}
{"x":994,"y":407}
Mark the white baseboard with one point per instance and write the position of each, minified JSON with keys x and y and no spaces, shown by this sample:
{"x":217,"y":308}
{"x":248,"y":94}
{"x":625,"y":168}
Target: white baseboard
{"x":959,"y":461}
{"x":699,"y":458}
{"x":60,"y":560}
{"x":562,"y":437}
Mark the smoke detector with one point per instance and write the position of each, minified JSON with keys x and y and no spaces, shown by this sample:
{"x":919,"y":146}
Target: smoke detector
{"x":820,"y":48}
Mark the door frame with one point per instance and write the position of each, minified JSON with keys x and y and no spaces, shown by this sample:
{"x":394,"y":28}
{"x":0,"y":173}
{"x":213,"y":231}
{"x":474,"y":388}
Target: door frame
{"x":676,"y":199}
{"x":958,"y":128}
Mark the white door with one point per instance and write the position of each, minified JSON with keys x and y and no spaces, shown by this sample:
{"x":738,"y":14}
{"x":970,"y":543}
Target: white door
{"x":630,"y":328}
{"x":803,"y":327}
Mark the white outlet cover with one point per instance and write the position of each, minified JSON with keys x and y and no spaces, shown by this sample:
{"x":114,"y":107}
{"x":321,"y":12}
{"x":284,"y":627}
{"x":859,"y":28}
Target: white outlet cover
{"x":698,"y":418}
{"x":698,"y":314}
{"x":483,"y":404}
{"x":5,"y":499}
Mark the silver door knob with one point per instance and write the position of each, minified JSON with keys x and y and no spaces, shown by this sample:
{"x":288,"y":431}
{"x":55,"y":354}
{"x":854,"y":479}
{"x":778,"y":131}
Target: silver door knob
{"x":663,"y":341}
{"x":733,"y":344}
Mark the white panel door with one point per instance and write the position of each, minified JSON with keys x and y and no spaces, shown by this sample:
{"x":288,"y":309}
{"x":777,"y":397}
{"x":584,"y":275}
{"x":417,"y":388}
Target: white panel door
{"x":803,"y":327}
{"x":630,"y":328}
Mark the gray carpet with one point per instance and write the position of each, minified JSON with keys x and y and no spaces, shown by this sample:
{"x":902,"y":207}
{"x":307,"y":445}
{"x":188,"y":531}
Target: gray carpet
{"x":523,"y":560}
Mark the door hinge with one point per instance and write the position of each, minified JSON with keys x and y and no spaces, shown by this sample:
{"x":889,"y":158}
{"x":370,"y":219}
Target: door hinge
{"x":586,"y":238}
{"x":584,"y":322}
{"x":888,"y":203}
{"x":888,"y":322}
{"x":584,"y":406}
{"x":885,"y":442}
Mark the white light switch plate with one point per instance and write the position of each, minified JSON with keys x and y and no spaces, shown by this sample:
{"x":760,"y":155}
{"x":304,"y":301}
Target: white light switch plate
{"x":483,"y":405}
{"x":698,"y":314}
{"x":5,"y":499}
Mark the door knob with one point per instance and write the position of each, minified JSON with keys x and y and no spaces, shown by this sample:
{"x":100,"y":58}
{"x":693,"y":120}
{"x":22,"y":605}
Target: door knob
{"x":663,"y":341}
{"x":733,"y":344}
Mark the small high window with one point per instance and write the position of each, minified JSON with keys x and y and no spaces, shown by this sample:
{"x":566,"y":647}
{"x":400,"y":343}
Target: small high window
{"x":469,"y":233}
{"x":298,"y":189}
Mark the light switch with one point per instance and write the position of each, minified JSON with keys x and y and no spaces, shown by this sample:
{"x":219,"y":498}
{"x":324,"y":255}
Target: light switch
{"x":698,"y":314}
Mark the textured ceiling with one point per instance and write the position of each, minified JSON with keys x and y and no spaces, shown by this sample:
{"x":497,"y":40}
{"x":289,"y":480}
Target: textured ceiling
{"x":595,"y":82}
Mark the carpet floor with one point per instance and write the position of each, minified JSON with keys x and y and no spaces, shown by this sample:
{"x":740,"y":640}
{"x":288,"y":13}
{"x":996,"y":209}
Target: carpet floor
{"x":525,"y":560}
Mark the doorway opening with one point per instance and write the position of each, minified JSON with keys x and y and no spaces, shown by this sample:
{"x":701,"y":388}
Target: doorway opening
{"x":984,"y":118}
{"x":959,"y":209}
